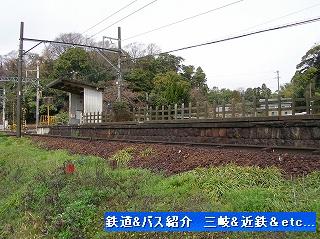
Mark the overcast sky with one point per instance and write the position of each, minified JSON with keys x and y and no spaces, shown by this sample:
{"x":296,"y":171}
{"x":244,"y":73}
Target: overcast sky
{"x":242,"y":63}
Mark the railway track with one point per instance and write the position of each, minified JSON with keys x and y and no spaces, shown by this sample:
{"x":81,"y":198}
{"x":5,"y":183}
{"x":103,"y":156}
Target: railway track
{"x":267,"y":148}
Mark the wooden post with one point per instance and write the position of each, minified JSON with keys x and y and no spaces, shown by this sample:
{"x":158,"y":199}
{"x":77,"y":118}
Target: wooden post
{"x":243,"y":107}
{"x":94,"y":117}
{"x":233,"y":108}
{"x":134,"y":114}
{"x":223,"y":110}
{"x":139,"y":113}
{"x":266,"y":106}
{"x":175,"y":111}
{"x":162,"y":112}
{"x":197,"y":108}
{"x":48,"y":116}
{"x":206,"y":110}
{"x":169,"y":112}
{"x":90,"y":118}
{"x":107,"y":116}
{"x":182,"y":111}
{"x":293,"y":105}
{"x":254,"y":106}
{"x":144,"y":113}
{"x":214,"y":109}
{"x":279,"y":106}
{"x":157,"y":108}
{"x":104,"y":116}
{"x":308,"y":104}
{"x":150,"y":117}
{"x":190,"y":110}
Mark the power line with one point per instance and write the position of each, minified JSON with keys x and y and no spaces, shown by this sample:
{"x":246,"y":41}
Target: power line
{"x":277,"y":18}
{"x":124,"y":18}
{"x":182,"y":20}
{"x":106,"y":18}
{"x":235,"y":37}
{"x":245,"y":35}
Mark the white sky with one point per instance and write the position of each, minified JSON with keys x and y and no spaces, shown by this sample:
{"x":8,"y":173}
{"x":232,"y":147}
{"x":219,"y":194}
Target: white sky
{"x":242,"y":63}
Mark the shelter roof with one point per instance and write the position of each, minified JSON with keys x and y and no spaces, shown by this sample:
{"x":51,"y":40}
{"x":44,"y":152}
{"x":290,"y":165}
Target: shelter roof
{"x":72,"y":86}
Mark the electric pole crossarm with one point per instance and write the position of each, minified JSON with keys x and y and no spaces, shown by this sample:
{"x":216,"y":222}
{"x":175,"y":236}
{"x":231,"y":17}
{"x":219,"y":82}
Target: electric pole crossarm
{"x":72,"y":44}
{"x":105,"y":57}
{"x":25,"y":52}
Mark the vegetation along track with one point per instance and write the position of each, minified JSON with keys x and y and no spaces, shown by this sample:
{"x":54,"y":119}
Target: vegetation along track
{"x":175,"y":158}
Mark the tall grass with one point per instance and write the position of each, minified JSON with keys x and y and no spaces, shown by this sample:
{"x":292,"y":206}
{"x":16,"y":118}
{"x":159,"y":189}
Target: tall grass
{"x":38,"y":200}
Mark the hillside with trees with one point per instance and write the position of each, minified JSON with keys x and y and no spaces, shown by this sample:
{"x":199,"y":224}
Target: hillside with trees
{"x":150,"y":78}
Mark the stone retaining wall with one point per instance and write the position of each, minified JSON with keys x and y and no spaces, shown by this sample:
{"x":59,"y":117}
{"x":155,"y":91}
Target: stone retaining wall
{"x":302,"y":131}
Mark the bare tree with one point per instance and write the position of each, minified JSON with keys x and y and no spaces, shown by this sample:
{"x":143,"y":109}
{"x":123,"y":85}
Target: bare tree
{"x":153,"y":49}
{"x":53,"y":51}
{"x":137,"y":50}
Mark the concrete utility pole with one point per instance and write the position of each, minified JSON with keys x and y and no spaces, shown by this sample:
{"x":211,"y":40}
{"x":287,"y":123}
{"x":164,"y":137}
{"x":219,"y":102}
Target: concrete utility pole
{"x":278,"y":78}
{"x":19,"y":87}
{"x":103,"y":43}
{"x":119,"y":64}
{"x":37,"y":96}
{"x":4,"y":108}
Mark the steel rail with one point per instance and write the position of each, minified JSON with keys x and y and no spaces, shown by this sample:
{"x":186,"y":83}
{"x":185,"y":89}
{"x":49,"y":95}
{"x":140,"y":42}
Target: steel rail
{"x":269,"y":148}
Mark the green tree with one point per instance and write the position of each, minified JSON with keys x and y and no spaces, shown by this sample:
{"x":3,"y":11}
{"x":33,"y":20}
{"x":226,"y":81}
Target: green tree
{"x":170,"y":88}
{"x":219,"y":96}
{"x":141,"y":77}
{"x":188,"y":72}
{"x":199,"y":79}
{"x":140,"y":80}
{"x":73,"y":61}
{"x":167,"y":62}
{"x":307,"y":75}
{"x":265,"y":91}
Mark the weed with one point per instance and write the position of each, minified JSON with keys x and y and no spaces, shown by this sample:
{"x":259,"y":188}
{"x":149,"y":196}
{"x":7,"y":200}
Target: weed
{"x":123,"y":157}
{"x":146,"y":152}
{"x":53,"y":204}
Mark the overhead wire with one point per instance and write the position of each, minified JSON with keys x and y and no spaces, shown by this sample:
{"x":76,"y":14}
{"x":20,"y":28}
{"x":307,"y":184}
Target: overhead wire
{"x":111,"y":15}
{"x":183,"y":20}
{"x":280,"y":17}
{"x":138,"y":10}
{"x":236,"y":37}
{"x":200,"y":14}
{"x":245,"y":35}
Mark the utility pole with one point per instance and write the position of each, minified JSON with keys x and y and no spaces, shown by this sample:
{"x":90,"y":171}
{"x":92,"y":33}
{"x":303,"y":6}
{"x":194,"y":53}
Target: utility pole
{"x":278,"y":78}
{"x":119,"y":64}
{"x":37,"y":96}
{"x":104,"y":37}
{"x":19,"y":87}
{"x":4,"y":108}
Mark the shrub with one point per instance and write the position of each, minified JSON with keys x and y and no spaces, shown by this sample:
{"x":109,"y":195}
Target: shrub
{"x":121,"y":112}
{"x":62,"y":118}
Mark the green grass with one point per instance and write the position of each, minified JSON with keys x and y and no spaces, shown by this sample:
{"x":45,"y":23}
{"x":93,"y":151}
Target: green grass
{"x":37,"y":199}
